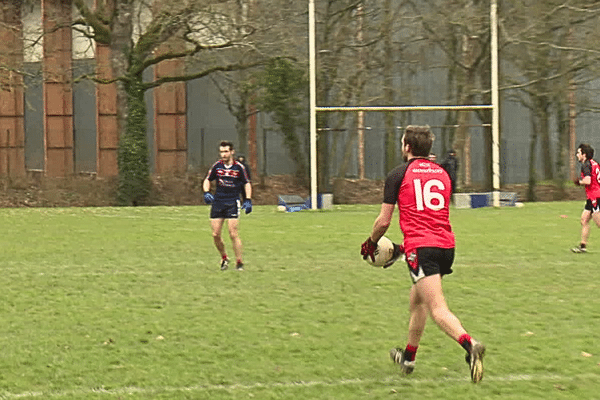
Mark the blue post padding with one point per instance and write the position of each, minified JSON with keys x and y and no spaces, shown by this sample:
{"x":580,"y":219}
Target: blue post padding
{"x":319,"y":201}
{"x":479,"y":200}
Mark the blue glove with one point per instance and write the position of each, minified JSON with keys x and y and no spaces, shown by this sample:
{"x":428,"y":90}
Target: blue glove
{"x":247,"y":206}
{"x":208,"y":198}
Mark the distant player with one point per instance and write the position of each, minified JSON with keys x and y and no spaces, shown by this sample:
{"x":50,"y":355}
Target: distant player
{"x":590,"y":178}
{"x":231,"y":178}
{"x":450,"y":164}
{"x":242,"y":159}
{"x":422,"y":189}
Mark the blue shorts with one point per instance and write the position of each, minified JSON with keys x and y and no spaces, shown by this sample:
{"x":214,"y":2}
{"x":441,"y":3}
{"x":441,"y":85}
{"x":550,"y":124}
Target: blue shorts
{"x":225,"y":209}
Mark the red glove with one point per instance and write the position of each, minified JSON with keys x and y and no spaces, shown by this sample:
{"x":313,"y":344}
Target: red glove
{"x":368,"y":249}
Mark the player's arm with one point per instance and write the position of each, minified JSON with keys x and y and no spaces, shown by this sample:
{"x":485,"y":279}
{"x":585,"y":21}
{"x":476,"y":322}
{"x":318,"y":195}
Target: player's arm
{"x":586,"y":180}
{"x":206,"y":185}
{"x":382,"y":223}
{"x":208,"y":197}
{"x":247,"y":206}
{"x":390,"y":192}
{"x":586,"y":171}
{"x":380,"y":227}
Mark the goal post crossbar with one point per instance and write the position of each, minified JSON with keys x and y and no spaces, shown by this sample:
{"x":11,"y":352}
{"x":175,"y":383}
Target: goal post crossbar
{"x":404,"y":108}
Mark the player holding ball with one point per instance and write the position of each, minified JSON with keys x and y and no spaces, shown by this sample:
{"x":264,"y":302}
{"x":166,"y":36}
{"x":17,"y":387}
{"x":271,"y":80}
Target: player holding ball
{"x":422,"y":190}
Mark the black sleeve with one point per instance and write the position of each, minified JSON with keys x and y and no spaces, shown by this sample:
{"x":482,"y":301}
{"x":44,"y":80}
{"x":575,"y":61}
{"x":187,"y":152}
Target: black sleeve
{"x":586,"y":168}
{"x":392,"y":184}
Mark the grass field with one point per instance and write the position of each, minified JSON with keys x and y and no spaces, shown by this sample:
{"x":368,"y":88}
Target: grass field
{"x":129,"y":303}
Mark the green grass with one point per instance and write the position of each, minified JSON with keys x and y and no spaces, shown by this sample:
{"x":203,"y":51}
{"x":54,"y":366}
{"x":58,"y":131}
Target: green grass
{"x":129,"y":303}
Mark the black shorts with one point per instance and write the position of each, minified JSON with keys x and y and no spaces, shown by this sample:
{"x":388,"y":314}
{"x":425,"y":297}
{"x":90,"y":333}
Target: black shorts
{"x":593,"y":206}
{"x":427,"y":261}
{"x":225,"y":210}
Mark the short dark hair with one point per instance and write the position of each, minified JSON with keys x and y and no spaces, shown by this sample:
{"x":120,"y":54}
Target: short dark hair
{"x":226,"y":143}
{"x":587,"y":150}
{"x":420,"y":139}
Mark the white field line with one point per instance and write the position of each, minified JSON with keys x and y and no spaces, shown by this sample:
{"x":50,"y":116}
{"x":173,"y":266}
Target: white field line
{"x":259,"y":385}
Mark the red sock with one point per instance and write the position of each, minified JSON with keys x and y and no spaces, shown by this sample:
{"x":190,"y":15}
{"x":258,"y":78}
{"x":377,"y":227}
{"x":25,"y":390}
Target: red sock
{"x":225,"y":257}
{"x":239,"y":261}
{"x":465,"y":342}
{"x":410,"y":352}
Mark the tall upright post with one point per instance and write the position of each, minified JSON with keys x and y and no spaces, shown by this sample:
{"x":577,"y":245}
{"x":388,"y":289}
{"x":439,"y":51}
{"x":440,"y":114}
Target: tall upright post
{"x":361,"y":114}
{"x":313,"y":104}
{"x":495,"y":104}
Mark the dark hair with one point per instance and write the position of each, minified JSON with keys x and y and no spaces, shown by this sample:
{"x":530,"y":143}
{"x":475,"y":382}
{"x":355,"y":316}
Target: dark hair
{"x":587,"y":150}
{"x":420,"y":139}
{"x":226,"y":143}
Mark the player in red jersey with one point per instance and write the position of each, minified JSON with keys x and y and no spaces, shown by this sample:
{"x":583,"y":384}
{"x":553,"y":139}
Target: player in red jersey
{"x":590,"y":178}
{"x":231,"y":179}
{"x":422,"y":190}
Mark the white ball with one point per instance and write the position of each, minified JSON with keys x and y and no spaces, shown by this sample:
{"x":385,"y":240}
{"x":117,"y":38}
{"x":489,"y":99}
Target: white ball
{"x":383,"y":253}
{"x":281,"y":208}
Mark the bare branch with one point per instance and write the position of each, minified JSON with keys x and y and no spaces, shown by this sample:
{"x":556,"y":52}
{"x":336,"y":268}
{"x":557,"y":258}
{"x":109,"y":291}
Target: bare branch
{"x":96,"y":21}
{"x":208,"y":71}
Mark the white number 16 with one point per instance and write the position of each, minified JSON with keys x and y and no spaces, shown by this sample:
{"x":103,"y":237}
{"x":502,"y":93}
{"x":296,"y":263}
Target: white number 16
{"x":424,"y":196}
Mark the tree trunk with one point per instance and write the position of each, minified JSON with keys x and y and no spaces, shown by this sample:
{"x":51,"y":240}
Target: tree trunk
{"x":532,"y":156}
{"x":241,"y":123}
{"x":121,"y":47}
{"x":134,"y":169}
{"x":465,"y":97}
{"x":544,"y":104}
{"x":388,"y":92}
{"x":562,"y":122}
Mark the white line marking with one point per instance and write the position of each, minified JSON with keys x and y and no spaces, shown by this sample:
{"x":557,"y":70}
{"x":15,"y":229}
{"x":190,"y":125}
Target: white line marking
{"x":239,"y":386}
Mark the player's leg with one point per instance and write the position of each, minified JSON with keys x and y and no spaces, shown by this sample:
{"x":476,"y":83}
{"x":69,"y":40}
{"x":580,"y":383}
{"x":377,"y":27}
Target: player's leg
{"x":418,"y":318}
{"x":586,"y":216}
{"x":217,"y":227}
{"x":430,"y":290}
{"x":236,"y":241}
{"x":596,"y":212}
{"x":596,"y":218}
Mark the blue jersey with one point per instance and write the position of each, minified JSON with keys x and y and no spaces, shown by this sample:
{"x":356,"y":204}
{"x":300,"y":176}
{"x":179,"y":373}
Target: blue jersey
{"x":230,"y":180}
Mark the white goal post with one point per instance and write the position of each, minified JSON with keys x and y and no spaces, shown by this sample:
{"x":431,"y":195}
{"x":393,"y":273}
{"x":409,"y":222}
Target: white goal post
{"x":494,"y":106}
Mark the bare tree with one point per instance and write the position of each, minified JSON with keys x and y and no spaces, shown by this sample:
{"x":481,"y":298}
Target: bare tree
{"x":134,"y":30}
{"x":551,"y":53}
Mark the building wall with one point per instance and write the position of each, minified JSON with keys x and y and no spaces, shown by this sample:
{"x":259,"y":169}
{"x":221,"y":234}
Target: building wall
{"x":12,"y":128}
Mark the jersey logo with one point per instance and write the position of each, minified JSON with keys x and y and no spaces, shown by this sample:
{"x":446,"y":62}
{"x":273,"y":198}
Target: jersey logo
{"x":228,"y":173}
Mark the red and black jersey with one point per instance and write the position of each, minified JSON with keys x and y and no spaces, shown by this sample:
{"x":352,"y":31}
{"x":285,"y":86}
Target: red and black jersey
{"x":230,"y":180}
{"x":422,"y":190}
{"x":592,"y":169}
